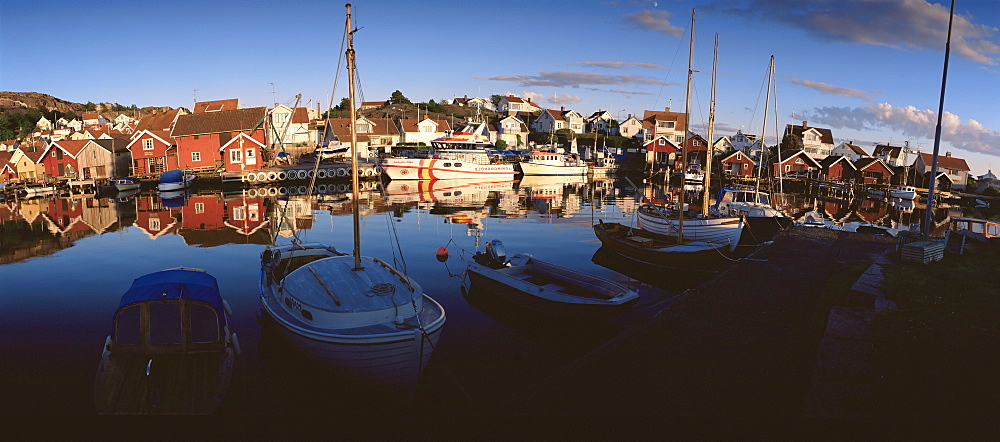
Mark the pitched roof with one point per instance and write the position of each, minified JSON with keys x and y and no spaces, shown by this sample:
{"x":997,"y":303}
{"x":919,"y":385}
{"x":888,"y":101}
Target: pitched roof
{"x":90,"y":116}
{"x":5,"y":156}
{"x":34,"y":155}
{"x":342,"y":128}
{"x":410,"y":124}
{"x":653,"y":116}
{"x":113,"y":145}
{"x":890,"y":152}
{"x":218,"y":122}
{"x":157,"y":121}
{"x":744,"y":158}
{"x":216,"y":106}
{"x":825,"y":135}
{"x":513,"y":99}
{"x":72,"y":147}
{"x":833,"y":159}
{"x":300,"y":115}
{"x":856,"y":149}
{"x":946,"y":161}
{"x":865,"y":163}
{"x":790,"y":154}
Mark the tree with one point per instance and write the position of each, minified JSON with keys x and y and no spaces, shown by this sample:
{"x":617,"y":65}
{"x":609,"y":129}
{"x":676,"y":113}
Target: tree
{"x":398,"y":98}
{"x":501,"y":145}
{"x":791,"y":142}
{"x":90,"y":106}
{"x":495,"y":99}
{"x":992,"y":191}
{"x":433,"y":106}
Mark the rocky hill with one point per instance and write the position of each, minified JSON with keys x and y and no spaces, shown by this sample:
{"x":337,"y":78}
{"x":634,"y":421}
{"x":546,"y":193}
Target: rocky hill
{"x":35,"y":100}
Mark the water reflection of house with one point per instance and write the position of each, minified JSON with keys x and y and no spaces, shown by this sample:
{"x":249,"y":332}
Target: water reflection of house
{"x":553,"y":195}
{"x":100,"y":214}
{"x":290,"y":216}
{"x":873,"y":211}
{"x":153,"y":218}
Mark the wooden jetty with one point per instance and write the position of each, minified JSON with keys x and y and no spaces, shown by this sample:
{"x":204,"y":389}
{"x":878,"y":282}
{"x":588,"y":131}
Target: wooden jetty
{"x":274,"y":175}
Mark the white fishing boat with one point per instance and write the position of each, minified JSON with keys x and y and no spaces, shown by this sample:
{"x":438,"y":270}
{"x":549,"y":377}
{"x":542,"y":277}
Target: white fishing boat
{"x":543,"y":280}
{"x":33,"y":191}
{"x":553,"y":163}
{"x":903,"y":192}
{"x":126,"y":183}
{"x":604,"y":166}
{"x":358,"y":315}
{"x":175,"y":179}
{"x":461,"y":155}
{"x":694,"y":174}
{"x":170,"y":350}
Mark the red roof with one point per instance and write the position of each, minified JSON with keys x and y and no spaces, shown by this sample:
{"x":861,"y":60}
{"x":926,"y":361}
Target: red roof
{"x":72,"y":147}
{"x":217,"y":105}
{"x":946,"y":162}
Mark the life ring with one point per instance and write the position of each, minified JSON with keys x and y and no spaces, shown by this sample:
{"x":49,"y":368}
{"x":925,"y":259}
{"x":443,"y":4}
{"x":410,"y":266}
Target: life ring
{"x":342,"y":188}
{"x":261,"y":176}
{"x":311,"y":174}
{"x":251,"y":177}
{"x":282,"y":190}
{"x":272,"y":192}
{"x":303,"y":174}
{"x":282,"y":176}
{"x":321,"y":174}
{"x":378,"y":170}
{"x":252,"y":193}
{"x":271,"y":176}
{"x":302,"y":190}
{"x":344,"y":171}
{"x":370,"y":172}
{"x":321,"y":188}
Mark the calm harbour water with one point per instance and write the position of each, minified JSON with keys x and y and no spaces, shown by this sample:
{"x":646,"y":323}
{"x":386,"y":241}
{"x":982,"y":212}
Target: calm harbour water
{"x":64,"y":263}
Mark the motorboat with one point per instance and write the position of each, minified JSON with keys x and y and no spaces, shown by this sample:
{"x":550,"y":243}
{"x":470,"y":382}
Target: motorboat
{"x":126,"y":183}
{"x":553,"y":163}
{"x":543,"y":280}
{"x":460,"y":155}
{"x":762,"y":219}
{"x":903,"y":192}
{"x":175,"y":179}
{"x":694,"y":174}
{"x":604,"y":166}
{"x":170,"y":350}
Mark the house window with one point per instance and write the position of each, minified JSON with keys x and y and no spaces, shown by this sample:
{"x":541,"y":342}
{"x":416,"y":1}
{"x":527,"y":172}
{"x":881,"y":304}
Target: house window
{"x":250,"y":153}
{"x":235,"y":156}
{"x":199,"y":207}
{"x":147,"y":144}
{"x":195,"y":156}
{"x":239,"y":214}
{"x":739,"y":157}
{"x":363,"y":128}
{"x":788,"y":168}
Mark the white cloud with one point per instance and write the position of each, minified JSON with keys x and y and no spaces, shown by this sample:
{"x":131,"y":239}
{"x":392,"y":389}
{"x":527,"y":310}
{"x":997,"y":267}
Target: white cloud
{"x":572,"y":79}
{"x":912,"y":122}
{"x":656,"y":21}
{"x":831,"y":89}
{"x":564,"y":99}
{"x":617,"y":64}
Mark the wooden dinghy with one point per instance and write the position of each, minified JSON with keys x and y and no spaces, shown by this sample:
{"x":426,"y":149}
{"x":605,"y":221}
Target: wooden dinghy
{"x":662,"y":250}
{"x":170,"y":350}
{"x":531,"y":276}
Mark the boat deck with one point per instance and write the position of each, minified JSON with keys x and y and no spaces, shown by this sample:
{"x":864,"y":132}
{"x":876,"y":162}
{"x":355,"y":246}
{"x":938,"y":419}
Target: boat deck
{"x":548,"y":282}
{"x":176,"y":384}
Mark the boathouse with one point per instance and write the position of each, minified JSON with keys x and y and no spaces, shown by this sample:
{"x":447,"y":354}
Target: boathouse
{"x":200,"y":139}
{"x":105,"y":158}
{"x":794,"y":163}
{"x":59,"y":158}
{"x":838,"y":168}
{"x":873,"y":171}
{"x":737,"y":163}
{"x":153,"y":151}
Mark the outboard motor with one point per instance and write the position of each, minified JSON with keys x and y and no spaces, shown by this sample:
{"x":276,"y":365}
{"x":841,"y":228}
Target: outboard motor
{"x":496,"y":253}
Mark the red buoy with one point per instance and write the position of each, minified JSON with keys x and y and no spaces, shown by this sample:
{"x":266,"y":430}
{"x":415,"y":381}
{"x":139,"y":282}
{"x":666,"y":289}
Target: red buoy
{"x":441,"y":254}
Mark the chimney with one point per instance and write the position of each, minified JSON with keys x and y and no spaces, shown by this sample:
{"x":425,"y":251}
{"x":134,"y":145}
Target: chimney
{"x":667,"y":109}
{"x":562,"y":108}
{"x":947,"y":154}
{"x":629,"y":116}
{"x":805,"y":124}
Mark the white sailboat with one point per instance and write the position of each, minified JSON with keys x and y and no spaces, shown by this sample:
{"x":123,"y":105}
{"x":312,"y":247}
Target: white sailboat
{"x":705,"y":227}
{"x":356,"y":314}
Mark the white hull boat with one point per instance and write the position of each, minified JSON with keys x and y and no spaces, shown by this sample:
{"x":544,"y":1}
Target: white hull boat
{"x":123,"y":184}
{"x":444,"y":169}
{"x":551,"y":163}
{"x":903,"y":192}
{"x":175,"y":179}
{"x":721,"y":231}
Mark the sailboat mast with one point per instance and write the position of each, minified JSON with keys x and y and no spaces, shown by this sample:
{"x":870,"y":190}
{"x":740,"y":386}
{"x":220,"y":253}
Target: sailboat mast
{"x":684,"y":146}
{"x":763,"y":132}
{"x":929,"y":211}
{"x":711,"y":132}
{"x":354,"y":141}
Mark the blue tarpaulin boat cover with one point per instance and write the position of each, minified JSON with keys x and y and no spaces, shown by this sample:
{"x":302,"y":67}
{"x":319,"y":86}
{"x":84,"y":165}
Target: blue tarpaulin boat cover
{"x":172,"y":176}
{"x":174,"y":284}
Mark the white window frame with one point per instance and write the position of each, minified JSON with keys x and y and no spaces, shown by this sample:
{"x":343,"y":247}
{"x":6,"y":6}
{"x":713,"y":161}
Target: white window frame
{"x":199,"y":207}
{"x":147,"y":144}
{"x":235,"y":156}
{"x":195,"y":156}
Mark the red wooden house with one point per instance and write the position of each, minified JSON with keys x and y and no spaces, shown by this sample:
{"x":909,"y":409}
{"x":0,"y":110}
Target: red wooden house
{"x":838,"y":168}
{"x":695,"y":151}
{"x":64,"y":216}
{"x":7,"y":170}
{"x":660,"y":150}
{"x":153,"y":151}
{"x":203,"y":212}
{"x":873,"y":171}
{"x":153,"y":218}
{"x":201,"y":138}
{"x":737,"y":163}
{"x":59,"y":158}
{"x":794,"y":163}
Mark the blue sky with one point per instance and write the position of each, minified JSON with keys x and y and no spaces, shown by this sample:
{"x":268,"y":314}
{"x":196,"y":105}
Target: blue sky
{"x":869,"y":70}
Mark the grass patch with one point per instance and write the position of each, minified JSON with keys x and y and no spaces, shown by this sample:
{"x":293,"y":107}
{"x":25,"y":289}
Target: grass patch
{"x":937,"y":353}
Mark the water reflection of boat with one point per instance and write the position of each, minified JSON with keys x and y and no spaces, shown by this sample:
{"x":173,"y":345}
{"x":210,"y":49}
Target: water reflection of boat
{"x":171,"y":350}
{"x":544,"y":281}
{"x":457,"y":193}
{"x":174,"y":198}
{"x":126,"y":183}
{"x":647,"y":273}
{"x":126,"y":195}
